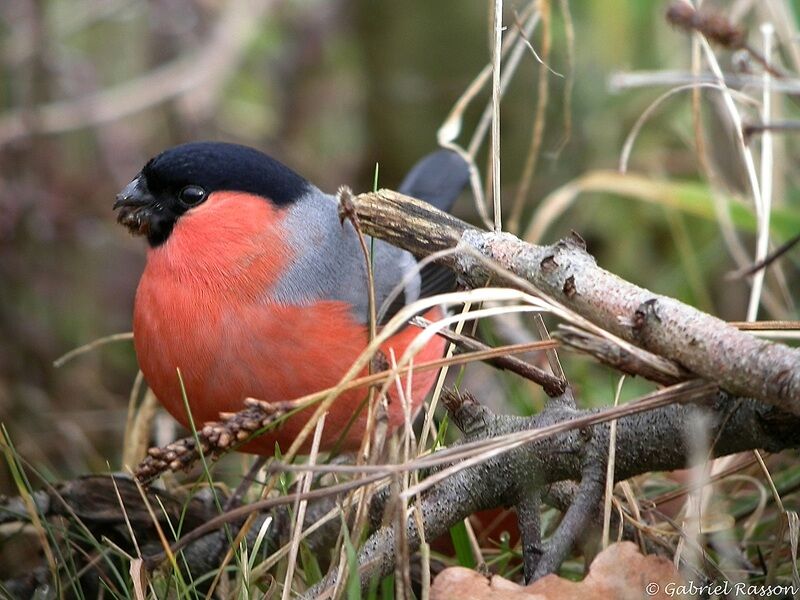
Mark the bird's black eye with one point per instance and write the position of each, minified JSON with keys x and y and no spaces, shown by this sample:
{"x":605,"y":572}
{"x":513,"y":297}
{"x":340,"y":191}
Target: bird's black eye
{"x":191,"y":195}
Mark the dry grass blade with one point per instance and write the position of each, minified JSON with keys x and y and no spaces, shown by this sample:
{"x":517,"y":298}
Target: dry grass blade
{"x":766,"y":181}
{"x":300,"y":512}
{"x":766,"y":325}
{"x":496,"y":60}
{"x":539,"y":121}
{"x":259,"y":506}
{"x":168,"y":553}
{"x":612,"y":452}
{"x":690,"y":547}
{"x":138,"y":426}
{"x":627,"y":147}
{"x":428,"y":426}
{"x":115,"y":337}
{"x":569,"y":83}
{"x":450,"y":130}
{"x":139,"y":578}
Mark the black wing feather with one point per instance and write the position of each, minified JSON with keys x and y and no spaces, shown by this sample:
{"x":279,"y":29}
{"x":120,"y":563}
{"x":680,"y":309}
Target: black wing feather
{"x":438,"y":179}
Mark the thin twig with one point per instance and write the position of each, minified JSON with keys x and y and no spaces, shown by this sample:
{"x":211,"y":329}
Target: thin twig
{"x":552,"y":385}
{"x":766,"y":261}
{"x":115,"y":337}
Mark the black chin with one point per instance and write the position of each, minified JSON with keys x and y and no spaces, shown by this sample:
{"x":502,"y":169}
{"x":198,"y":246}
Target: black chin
{"x":160,"y":228}
{"x":142,"y":214}
{"x":146,"y":221}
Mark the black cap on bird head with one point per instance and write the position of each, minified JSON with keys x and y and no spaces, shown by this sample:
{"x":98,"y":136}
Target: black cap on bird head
{"x":183,"y":177}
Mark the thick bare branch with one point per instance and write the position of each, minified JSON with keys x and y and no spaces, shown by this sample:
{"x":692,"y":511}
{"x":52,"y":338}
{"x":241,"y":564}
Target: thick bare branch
{"x":737,"y":361}
{"x":646,"y":442}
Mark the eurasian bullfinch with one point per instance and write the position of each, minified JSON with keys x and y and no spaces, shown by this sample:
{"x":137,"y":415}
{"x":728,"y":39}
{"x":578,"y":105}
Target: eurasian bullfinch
{"x":253,"y":286}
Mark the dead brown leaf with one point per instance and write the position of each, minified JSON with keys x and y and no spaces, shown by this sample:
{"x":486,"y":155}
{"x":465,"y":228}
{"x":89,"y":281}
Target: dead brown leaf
{"x":620,"y":572}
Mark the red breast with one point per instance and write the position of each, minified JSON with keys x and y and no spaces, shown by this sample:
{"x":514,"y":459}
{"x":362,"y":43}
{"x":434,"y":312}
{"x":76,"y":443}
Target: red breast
{"x":203,"y":307}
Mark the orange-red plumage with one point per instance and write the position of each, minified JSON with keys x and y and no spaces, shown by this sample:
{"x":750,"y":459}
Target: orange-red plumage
{"x":203,"y":306}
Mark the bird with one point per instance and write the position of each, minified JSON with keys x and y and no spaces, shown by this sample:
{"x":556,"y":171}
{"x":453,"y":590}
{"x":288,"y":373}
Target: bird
{"x":254,"y":288}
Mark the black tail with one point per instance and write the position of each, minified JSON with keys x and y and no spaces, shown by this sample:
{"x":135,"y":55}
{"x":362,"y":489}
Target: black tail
{"x":438,"y":178}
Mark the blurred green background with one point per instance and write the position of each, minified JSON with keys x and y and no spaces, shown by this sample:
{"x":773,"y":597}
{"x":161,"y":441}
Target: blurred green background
{"x":90,"y":89}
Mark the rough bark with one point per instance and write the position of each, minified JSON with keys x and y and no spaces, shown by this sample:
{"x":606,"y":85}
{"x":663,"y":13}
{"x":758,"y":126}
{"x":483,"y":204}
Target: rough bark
{"x":738,"y":362}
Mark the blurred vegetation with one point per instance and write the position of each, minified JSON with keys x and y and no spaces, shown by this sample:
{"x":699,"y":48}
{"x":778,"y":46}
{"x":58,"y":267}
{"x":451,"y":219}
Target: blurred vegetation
{"x":330,"y":88}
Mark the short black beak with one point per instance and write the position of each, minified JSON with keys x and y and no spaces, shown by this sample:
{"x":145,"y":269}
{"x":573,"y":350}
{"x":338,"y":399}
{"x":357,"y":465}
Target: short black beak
{"x":133,"y":195}
{"x":135,"y":204}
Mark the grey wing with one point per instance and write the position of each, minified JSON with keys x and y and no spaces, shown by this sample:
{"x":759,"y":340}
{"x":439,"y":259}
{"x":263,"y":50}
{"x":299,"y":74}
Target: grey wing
{"x":328,"y":261}
{"x":438,"y":178}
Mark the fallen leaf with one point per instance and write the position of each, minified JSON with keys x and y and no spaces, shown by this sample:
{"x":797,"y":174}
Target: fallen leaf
{"x":459,"y":583}
{"x":620,"y":572}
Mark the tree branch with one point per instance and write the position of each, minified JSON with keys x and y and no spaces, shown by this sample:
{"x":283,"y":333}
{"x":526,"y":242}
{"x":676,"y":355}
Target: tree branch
{"x":705,"y":345}
{"x":574,"y":523}
{"x":646,"y":442}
